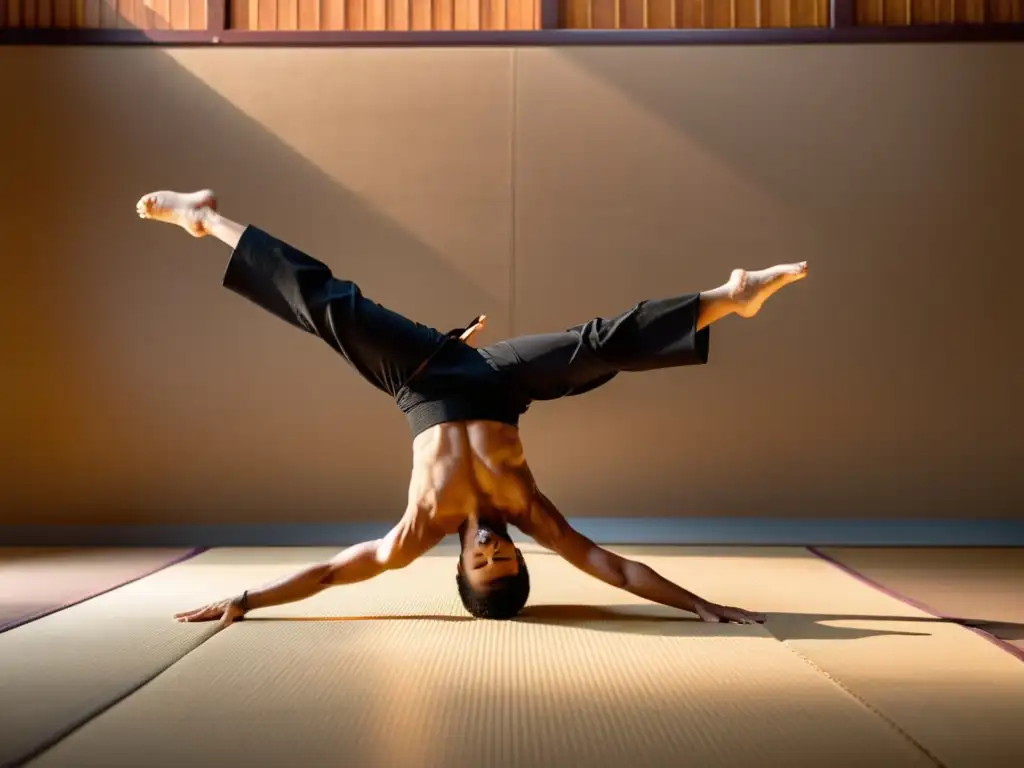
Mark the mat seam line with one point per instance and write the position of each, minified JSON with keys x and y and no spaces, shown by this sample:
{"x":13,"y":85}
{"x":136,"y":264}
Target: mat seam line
{"x":64,"y":606}
{"x":866,"y":704}
{"x":42,"y":748}
{"x":852,"y":572}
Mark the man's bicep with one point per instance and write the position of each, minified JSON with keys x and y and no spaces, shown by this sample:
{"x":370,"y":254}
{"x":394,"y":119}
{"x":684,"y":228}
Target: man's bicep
{"x":406,"y":542}
{"x":400,"y":547}
{"x":551,"y":530}
{"x":358,"y":562}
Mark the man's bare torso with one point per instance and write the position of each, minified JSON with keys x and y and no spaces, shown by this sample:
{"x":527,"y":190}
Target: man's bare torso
{"x":462,"y":469}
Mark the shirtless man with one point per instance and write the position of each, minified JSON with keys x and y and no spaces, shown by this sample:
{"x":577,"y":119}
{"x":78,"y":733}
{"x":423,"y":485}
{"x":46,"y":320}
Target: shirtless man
{"x":463,"y":404}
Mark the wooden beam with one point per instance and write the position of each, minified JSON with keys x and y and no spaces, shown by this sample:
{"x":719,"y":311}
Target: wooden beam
{"x":550,"y":14}
{"x":844,"y":14}
{"x":216,"y":15}
{"x":932,"y":33}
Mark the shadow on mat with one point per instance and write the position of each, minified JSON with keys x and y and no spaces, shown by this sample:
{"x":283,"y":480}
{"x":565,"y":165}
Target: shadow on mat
{"x":998,"y":629}
{"x":647,"y":620}
{"x":386,"y":617}
{"x":641,"y":620}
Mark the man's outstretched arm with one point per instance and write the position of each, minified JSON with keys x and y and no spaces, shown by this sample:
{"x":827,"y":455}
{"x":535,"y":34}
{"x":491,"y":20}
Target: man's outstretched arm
{"x":356,"y":563}
{"x":550,"y":529}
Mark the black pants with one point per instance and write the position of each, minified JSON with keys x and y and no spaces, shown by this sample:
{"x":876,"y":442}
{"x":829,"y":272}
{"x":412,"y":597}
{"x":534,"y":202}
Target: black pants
{"x":395,"y":353}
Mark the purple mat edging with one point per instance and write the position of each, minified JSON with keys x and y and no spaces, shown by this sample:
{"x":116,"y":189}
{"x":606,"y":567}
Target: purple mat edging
{"x":50,"y":611}
{"x":1011,"y":649}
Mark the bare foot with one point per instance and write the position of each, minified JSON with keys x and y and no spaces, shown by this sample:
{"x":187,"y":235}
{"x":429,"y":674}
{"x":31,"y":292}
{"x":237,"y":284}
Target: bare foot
{"x":750,"y":290}
{"x":187,"y":210}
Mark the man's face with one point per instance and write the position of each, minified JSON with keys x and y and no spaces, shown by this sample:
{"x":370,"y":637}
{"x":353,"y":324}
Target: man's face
{"x":487,"y":554}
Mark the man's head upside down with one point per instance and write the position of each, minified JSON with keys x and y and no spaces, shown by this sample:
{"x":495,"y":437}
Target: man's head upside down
{"x":492,"y":577}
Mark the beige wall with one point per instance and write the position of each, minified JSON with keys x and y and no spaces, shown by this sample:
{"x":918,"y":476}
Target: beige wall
{"x":542,"y":187}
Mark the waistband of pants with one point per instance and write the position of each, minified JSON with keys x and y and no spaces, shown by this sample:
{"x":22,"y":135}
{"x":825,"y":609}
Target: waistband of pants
{"x":430,"y":413}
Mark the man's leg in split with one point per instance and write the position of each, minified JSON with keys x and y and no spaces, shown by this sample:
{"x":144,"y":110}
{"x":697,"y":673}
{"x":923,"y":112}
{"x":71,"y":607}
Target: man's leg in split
{"x":384,"y":347}
{"x":656,"y":334}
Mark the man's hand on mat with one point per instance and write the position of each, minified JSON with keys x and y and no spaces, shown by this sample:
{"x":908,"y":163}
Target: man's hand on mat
{"x":723,"y":614}
{"x":226,"y":611}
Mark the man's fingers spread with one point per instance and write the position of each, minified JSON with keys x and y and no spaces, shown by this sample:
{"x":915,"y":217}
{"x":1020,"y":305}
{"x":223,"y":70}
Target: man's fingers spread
{"x":206,"y":613}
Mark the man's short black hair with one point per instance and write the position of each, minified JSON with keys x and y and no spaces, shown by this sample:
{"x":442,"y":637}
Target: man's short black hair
{"x":504,"y":598}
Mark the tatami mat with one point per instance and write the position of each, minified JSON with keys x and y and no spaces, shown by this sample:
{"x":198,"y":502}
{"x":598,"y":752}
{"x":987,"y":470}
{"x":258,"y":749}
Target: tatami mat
{"x":390,"y":672}
{"x":982,"y":587}
{"x":37,"y":581}
{"x":957,"y":695}
{"x":59,"y":670}
{"x":401,"y":677}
